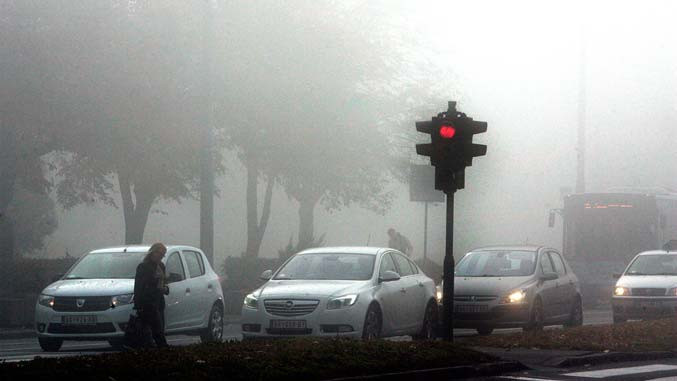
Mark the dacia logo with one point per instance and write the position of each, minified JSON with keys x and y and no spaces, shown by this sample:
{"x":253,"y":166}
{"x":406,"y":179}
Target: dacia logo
{"x":79,"y":302}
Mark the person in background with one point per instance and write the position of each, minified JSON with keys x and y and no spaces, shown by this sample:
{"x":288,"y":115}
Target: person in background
{"x":150,"y":288}
{"x":399,"y":242}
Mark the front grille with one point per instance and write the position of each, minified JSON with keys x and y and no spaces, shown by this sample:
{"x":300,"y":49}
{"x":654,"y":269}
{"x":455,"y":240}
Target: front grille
{"x":290,"y":307}
{"x":648,"y":292}
{"x":93,"y":328}
{"x":279,"y":331}
{"x":474,"y":298}
{"x":470,"y":308}
{"x":91,"y":303}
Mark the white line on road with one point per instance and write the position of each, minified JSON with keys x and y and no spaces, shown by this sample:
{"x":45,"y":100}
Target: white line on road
{"x":527,"y":378}
{"x":603,"y":373}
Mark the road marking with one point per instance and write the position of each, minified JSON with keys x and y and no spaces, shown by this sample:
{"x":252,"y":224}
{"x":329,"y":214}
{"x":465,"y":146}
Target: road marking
{"x":603,"y":373}
{"x":670,"y":378}
{"x":528,"y":378}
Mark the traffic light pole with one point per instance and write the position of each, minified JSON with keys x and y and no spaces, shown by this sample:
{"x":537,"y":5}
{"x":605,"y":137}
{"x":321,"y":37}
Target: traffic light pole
{"x":448,"y":273}
{"x":425,"y":232}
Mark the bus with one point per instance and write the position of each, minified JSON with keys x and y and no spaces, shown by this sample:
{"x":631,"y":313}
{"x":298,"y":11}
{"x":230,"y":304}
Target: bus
{"x":602,"y":232}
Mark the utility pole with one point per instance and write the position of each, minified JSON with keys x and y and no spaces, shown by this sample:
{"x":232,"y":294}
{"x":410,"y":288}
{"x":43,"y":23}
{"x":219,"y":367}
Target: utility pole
{"x":207,"y":149}
{"x":580,"y":149}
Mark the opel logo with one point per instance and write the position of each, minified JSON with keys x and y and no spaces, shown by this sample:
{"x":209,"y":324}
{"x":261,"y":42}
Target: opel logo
{"x":79,"y":302}
{"x":289,"y":304}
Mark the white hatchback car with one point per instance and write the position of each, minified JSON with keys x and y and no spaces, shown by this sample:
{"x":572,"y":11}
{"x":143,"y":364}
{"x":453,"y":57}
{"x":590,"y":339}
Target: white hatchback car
{"x":94,"y":299}
{"x":647,"y":288}
{"x":359,"y":292}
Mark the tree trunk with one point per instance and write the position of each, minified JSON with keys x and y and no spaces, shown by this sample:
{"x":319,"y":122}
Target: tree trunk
{"x":135,"y":213}
{"x":306,"y":222}
{"x":8,"y":174}
{"x":256,"y":229}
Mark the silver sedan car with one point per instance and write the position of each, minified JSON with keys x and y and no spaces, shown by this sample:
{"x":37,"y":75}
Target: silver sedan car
{"x":515,"y":287}
{"x":358,"y":292}
{"x":94,"y":299}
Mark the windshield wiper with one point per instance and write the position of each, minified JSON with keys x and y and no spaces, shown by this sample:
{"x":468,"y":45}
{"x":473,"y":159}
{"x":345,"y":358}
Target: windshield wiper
{"x":75,"y":277}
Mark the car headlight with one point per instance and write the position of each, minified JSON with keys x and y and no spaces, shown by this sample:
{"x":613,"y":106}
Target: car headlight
{"x":46,"y":300}
{"x":121,"y":300}
{"x":621,"y":291}
{"x":251,"y":301}
{"x":515,"y":297}
{"x":672,"y":291}
{"x":438,"y":294}
{"x":341,"y":302}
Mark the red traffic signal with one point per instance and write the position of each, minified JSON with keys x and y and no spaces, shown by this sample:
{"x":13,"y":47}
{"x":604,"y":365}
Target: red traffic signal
{"x":447,"y":131}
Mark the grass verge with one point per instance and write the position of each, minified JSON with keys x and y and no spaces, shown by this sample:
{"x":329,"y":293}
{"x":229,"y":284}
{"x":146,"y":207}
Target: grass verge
{"x":276,"y":360}
{"x":640,"y":336}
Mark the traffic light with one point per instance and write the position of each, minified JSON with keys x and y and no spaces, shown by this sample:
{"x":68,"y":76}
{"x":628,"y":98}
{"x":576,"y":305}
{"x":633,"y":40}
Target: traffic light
{"x":451,"y":148}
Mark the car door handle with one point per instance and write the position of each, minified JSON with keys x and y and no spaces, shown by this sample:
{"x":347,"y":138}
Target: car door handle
{"x":188,"y":291}
{"x":420,"y":284}
{"x":403,"y":290}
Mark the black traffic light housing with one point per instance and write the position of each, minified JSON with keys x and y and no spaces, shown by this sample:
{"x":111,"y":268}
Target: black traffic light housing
{"x":451,"y":148}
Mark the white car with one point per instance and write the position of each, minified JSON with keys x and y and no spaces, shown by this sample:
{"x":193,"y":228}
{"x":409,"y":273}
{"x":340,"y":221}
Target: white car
{"x":358,"y":292}
{"x":647,"y":288}
{"x":94,"y":299}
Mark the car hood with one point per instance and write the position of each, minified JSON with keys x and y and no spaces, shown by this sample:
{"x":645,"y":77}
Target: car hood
{"x":648,"y":281}
{"x":489,"y":285}
{"x":310,"y":288}
{"x":90,"y":287}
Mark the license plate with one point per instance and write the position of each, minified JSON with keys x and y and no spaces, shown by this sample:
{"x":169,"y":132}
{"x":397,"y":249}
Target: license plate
{"x":79,"y":320}
{"x":651,"y":304}
{"x":288,"y":324}
{"x":470,"y":308}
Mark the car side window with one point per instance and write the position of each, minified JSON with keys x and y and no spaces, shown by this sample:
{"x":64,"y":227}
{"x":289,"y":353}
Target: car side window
{"x":403,"y":265}
{"x":194,"y":263}
{"x":387,"y":264}
{"x":546,"y":265}
{"x":559,"y":265}
{"x":414,"y":268}
{"x":174,"y":265}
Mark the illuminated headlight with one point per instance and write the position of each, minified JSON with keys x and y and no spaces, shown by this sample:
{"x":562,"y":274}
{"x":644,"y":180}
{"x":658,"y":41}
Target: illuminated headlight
{"x":250,"y":301}
{"x":46,"y":300}
{"x":121,"y":300}
{"x":341,"y":302}
{"x":672,"y":292}
{"x":515,"y":297}
{"x":621,"y":291}
{"x":438,"y":294}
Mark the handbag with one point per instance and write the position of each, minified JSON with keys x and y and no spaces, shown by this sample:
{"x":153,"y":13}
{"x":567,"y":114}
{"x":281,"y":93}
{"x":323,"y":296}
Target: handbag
{"x":137,"y":332}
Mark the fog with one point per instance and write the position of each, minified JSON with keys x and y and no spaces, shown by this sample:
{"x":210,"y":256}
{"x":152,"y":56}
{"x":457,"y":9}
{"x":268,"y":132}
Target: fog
{"x":373,"y":68}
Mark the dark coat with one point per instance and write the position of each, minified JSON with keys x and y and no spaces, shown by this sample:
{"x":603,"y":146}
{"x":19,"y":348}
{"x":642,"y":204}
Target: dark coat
{"x":147,"y":293}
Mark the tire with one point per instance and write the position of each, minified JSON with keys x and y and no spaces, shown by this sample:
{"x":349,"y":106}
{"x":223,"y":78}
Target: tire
{"x":484,"y":331}
{"x":372,"y":323}
{"x":429,"y":328}
{"x":116,"y":344}
{"x":619,"y":320}
{"x":576,"y":315}
{"x":50,"y":345}
{"x":214,"y":330}
{"x":536,"y":319}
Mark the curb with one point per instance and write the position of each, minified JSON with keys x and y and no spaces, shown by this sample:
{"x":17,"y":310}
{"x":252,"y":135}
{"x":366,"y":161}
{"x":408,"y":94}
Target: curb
{"x":601,"y":358}
{"x":17,"y":334}
{"x":455,"y":372}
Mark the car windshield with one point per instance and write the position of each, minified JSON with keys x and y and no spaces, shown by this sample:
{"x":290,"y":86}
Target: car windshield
{"x":653,"y":265}
{"x":106,"y":266}
{"x":326,"y":266}
{"x":497,"y":263}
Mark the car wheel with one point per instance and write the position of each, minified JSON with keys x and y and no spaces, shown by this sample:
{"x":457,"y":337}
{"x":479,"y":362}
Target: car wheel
{"x":117,"y":344}
{"x":50,"y":345}
{"x":429,"y":328}
{"x":536,"y":319}
{"x":372,"y":323}
{"x":619,"y":320}
{"x":214,"y":330}
{"x":485,"y":331}
{"x":576,"y":316}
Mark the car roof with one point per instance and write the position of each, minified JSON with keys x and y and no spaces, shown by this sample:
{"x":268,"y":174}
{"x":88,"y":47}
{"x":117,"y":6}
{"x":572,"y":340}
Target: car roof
{"x":654,"y":252}
{"x":346,"y":250}
{"x":510,"y":248}
{"x":138,"y":249}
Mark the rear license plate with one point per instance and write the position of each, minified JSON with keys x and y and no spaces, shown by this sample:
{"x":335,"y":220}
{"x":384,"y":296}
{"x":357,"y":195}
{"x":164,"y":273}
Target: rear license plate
{"x":470,"y":308}
{"x":79,"y":320}
{"x":288,"y":324}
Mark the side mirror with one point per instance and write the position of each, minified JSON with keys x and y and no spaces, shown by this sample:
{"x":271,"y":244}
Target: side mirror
{"x":57,"y":277}
{"x":174,"y":277}
{"x":616,"y":275}
{"x":266,"y":275}
{"x":389,"y":276}
{"x":549,"y":276}
{"x":551,"y":219}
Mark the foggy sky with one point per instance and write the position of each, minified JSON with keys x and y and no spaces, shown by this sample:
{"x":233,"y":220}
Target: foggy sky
{"x":512,"y":64}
